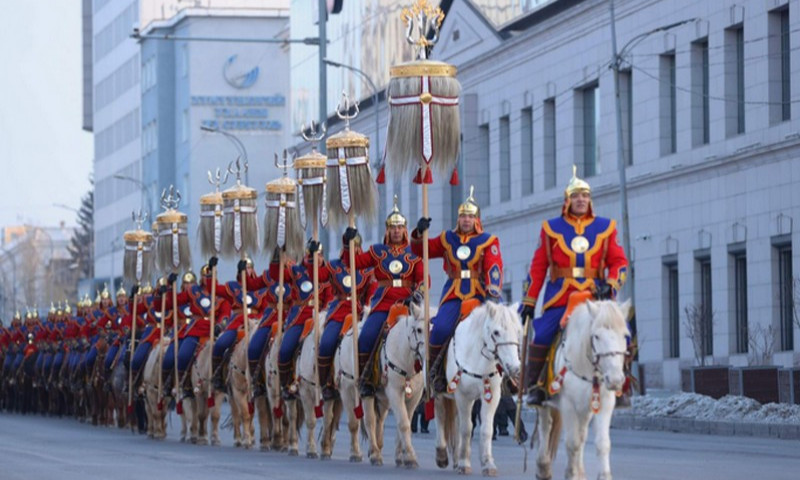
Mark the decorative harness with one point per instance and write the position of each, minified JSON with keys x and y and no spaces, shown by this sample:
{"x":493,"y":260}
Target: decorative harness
{"x":389,"y":365}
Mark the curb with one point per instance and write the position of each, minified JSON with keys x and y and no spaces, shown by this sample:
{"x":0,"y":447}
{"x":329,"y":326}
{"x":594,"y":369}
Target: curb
{"x":706,"y":427}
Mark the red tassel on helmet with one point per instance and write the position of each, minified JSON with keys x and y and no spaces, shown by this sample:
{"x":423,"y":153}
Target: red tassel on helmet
{"x":454,"y":177}
{"x":381,"y":179}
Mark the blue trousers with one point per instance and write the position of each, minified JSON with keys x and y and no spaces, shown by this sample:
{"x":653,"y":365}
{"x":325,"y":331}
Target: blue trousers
{"x":445,"y":321}
{"x":546,"y":326}
{"x":258,"y":342}
{"x":91,"y":356}
{"x":47,"y":363}
{"x":140,"y":356}
{"x":186,"y":348}
{"x":329,"y":339}
{"x":223,"y":343}
{"x":18,"y":361}
{"x":110,"y":356}
{"x":370,"y":331}
{"x":58,"y":360}
{"x":291,"y":338}
{"x":39,"y":361}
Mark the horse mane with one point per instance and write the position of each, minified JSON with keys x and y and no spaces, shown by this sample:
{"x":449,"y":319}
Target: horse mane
{"x":600,"y":314}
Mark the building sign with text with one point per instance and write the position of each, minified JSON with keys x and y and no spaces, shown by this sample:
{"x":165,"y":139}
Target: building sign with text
{"x":242,"y":113}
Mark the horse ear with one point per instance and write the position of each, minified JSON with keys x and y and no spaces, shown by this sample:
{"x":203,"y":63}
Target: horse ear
{"x":491,"y":307}
{"x":416,"y":310}
{"x":626,"y":307}
{"x":593,"y":308}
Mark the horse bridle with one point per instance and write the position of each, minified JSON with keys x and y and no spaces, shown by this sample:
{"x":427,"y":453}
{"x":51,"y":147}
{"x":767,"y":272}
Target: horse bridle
{"x":494,"y":358}
{"x":594,"y":360}
{"x":417,"y":344}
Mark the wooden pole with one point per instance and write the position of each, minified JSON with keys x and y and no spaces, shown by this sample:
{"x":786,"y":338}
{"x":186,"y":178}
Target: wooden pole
{"x":279,"y":339}
{"x":211,"y":331}
{"x":161,"y":351}
{"x":521,"y":386}
{"x":175,"y":338}
{"x":315,"y":259}
{"x":130,"y":361}
{"x":354,"y":310}
{"x":246,"y":318}
{"x":426,"y":271}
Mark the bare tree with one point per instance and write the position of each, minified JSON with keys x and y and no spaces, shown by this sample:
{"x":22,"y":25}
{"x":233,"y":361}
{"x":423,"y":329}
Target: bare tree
{"x":796,"y":301}
{"x":699,"y":325}
{"x":761,"y":340}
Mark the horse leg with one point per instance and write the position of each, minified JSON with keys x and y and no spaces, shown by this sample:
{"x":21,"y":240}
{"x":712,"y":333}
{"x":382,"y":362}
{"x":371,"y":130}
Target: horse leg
{"x":264,"y":422}
{"x":307,"y":396}
{"x":602,"y":423}
{"x":464,"y":406}
{"x":441,"y":440}
{"x":370,"y":424}
{"x":544,"y":457}
{"x":291,"y":427}
{"x":215,"y":414}
{"x":574,"y":437}
{"x":488,"y":467}
{"x":404,"y":454}
{"x":332,"y":411}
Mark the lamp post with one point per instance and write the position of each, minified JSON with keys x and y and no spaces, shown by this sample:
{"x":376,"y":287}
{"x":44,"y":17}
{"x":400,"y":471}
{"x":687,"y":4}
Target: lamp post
{"x":145,"y":189}
{"x":10,"y":255}
{"x":374,"y":101}
{"x":236,"y":142}
{"x":617,"y":60}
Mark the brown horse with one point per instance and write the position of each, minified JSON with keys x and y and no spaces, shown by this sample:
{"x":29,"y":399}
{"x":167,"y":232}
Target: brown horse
{"x":99,"y":398}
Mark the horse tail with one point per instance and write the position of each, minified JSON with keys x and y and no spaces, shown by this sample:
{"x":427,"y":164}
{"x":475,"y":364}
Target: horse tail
{"x":301,"y":418}
{"x":338,"y":408}
{"x":555,"y":432}
{"x":450,"y":421}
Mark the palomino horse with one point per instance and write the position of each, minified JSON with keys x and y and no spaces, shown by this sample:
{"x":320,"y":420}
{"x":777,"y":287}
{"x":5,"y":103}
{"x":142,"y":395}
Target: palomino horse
{"x":196,"y":410}
{"x":241,"y":407}
{"x":589,"y":363}
{"x":100,"y":401}
{"x":400,"y":387}
{"x":485,"y":346}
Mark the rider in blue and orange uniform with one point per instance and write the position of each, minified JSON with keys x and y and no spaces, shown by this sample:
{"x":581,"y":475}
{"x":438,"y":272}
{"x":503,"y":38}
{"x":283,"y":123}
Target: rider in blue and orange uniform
{"x":398,"y":275}
{"x":474,"y":267}
{"x":337,"y":274}
{"x":581,"y":252}
{"x":299,"y":320}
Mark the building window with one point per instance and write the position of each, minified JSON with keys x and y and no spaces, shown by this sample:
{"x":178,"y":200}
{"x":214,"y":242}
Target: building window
{"x":505,"y":160}
{"x":590,"y":97}
{"x":549,"y":138}
{"x":526,"y":150}
{"x":700,"y":93}
{"x":734,"y":81}
{"x":185,"y":60}
{"x":507,"y":293}
{"x":786,"y":284}
{"x":705,"y":310}
{"x":673,"y":308}
{"x":483,"y":143}
{"x":739,"y":283}
{"x":626,"y":106}
{"x":668,"y":103}
{"x":779,"y":66}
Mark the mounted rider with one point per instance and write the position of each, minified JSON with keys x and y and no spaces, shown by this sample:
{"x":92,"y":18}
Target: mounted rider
{"x":474,"y":266}
{"x":581,"y":252}
{"x":398,"y":274}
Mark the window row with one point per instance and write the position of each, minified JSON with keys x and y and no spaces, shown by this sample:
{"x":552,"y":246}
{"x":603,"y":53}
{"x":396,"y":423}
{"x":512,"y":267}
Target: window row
{"x":699,"y":318}
{"x":120,"y":81}
{"x":117,"y":135}
{"x":115,"y":32}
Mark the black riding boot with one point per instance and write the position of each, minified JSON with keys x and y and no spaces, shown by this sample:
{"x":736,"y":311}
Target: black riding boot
{"x":325,"y":380}
{"x":367,"y":387}
{"x":286,"y":377}
{"x":437,"y":369}
{"x":216,"y":380}
{"x":259,"y":382}
{"x":537,"y":357}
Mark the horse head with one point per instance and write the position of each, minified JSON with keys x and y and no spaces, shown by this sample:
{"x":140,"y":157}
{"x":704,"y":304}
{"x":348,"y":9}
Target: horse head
{"x":415,"y":328}
{"x":502,"y":333}
{"x":609,"y":330}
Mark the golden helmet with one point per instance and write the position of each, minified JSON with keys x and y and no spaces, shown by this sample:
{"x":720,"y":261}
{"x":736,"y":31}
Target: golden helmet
{"x":52,"y":308}
{"x":105,"y":294}
{"x":67,"y":308}
{"x":576,"y":184}
{"x":121,"y":292}
{"x":147,"y":289}
{"x":189,"y":277}
{"x":470,"y":205}
{"x":395,"y":217}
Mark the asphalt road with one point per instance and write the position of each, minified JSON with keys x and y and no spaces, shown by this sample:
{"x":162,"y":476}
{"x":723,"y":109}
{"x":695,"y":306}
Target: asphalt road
{"x":35,"y":447}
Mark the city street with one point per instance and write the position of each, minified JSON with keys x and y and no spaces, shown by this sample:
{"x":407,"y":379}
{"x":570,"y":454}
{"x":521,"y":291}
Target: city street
{"x":33,"y":448}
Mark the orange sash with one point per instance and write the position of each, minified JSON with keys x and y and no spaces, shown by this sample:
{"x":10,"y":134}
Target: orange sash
{"x":575,"y":299}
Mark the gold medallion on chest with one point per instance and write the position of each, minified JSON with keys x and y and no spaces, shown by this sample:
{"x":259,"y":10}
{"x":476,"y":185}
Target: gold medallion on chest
{"x":463,"y":252}
{"x":579,"y":244}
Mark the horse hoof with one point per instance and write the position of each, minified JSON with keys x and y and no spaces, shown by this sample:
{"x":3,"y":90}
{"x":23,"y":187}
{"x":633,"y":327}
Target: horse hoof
{"x":464,"y":470}
{"x":411,"y":464}
{"x":355,"y":459}
{"x":193,"y":440}
{"x":215,"y":443}
{"x":376,"y":462}
{"x":489,"y":472}
{"x":293,"y":452}
{"x":284,"y":449}
{"x":183,"y":439}
{"x":398,"y":463}
{"x":202,"y":441}
{"x":264,"y":448}
{"x":441,"y":457}
{"x":248,"y":446}
{"x":312,"y":455}
{"x":150,"y":435}
{"x":325,"y":456}
{"x":237,"y":443}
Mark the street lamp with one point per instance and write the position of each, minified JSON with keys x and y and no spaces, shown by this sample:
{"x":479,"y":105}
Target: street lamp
{"x":145,"y":189}
{"x":10,"y":255}
{"x":236,"y":142}
{"x":374,"y":102}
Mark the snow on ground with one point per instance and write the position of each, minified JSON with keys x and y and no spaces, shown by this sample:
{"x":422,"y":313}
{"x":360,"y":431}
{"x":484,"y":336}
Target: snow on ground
{"x":728,"y":408}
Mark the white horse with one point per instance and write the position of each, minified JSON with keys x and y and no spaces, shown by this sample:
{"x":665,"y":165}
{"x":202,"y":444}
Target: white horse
{"x":592,"y":351}
{"x":308,"y":390}
{"x":485,"y":346}
{"x":400,"y":388}
{"x":156,"y":417}
{"x":196,"y":409}
{"x":347,"y":385}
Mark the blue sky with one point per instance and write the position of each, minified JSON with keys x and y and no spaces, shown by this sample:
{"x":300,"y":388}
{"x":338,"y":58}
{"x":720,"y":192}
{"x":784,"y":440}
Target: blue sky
{"x":45,"y":156}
